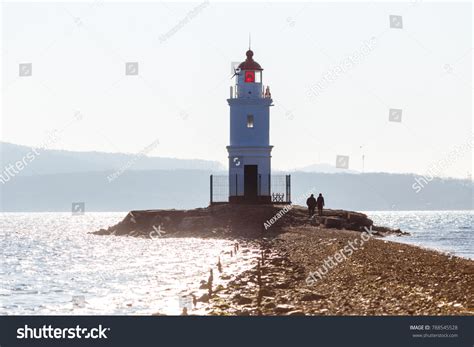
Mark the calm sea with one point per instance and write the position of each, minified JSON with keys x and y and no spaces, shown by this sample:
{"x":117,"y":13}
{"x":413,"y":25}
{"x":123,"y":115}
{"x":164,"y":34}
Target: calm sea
{"x":447,"y":231}
{"x":50,"y":265}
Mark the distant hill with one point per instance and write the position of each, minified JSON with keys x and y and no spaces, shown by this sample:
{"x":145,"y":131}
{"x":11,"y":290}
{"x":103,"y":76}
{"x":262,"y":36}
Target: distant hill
{"x":323,"y":167}
{"x":152,"y":189}
{"x":55,"y":179}
{"x":57,"y":162}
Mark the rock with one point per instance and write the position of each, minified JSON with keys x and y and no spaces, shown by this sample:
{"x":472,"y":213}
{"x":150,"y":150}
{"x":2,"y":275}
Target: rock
{"x":388,"y":231}
{"x":267,"y":292}
{"x":203,"y":298}
{"x":222,"y":220}
{"x":241,"y":300}
{"x":195,"y":223}
{"x":102,"y":232}
{"x":269,"y":305}
{"x":334,"y":222}
{"x":277,"y":261}
{"x":219,"y":288}
{"x":311,"y":297}
{"x":359,"y":219}
{"x":282,"y":285}
{"x":283,"y":308}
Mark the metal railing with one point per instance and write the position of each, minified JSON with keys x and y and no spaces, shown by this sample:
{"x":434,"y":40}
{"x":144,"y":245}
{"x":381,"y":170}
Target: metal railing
{"x":277,"y":187}
{"x":234,"y":92}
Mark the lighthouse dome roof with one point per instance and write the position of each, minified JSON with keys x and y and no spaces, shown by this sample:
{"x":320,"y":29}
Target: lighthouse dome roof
{"x":249,"y":63}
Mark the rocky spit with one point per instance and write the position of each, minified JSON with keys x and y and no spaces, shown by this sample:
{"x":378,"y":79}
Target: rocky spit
{"x":354,"y":270}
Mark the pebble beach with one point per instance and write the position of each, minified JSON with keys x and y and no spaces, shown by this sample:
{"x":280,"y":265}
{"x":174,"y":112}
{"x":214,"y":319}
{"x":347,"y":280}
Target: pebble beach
{"x":335,"y":264}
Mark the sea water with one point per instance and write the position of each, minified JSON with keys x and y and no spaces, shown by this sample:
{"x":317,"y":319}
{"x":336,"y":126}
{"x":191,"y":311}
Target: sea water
{"x":49,"y":264}
{"x":446,"y":231}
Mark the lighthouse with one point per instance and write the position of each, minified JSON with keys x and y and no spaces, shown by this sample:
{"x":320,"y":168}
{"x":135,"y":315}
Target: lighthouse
{"x":249,"y":149}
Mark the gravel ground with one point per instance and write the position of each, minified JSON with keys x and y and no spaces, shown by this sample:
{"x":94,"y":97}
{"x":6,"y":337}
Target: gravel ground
{"x":377,"y":278}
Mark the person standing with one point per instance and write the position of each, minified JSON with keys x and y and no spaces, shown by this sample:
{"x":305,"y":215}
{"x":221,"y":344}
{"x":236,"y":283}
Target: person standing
{"x":320,"y":204}
{"x":311,"y":203}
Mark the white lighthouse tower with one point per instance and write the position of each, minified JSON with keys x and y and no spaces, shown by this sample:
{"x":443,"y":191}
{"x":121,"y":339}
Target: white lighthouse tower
{"x":249,"y":149}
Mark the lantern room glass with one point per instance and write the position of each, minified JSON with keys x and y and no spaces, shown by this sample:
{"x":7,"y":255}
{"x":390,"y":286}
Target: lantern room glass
{"x":251,"y":76}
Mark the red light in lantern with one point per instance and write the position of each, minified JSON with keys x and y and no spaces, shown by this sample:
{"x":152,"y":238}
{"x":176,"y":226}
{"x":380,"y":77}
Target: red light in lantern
{"x":249,"y":76}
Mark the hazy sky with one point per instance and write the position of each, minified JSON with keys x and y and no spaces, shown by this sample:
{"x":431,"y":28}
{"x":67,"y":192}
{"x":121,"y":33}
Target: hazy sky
{"x":325,"y":103}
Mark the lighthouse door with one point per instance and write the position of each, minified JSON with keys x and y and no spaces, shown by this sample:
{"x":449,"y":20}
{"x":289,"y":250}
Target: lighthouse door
{"x":250,"y":182}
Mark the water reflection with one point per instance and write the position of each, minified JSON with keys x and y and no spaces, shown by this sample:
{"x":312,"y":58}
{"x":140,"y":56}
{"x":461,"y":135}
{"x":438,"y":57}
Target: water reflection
{"x":50,"y":265}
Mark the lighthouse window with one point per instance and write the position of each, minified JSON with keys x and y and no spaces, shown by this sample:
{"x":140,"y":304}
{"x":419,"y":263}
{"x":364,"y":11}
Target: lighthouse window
{"x":250,"y":121}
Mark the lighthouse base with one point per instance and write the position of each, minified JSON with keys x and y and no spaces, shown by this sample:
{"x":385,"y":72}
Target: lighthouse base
{"x":250,"y":200}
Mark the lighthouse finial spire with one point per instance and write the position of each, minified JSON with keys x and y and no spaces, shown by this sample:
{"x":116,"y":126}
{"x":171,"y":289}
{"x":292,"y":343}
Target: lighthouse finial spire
{"x":250,"y":41}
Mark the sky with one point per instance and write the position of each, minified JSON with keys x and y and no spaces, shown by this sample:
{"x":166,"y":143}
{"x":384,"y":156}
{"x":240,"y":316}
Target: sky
{"x":346,"y":79}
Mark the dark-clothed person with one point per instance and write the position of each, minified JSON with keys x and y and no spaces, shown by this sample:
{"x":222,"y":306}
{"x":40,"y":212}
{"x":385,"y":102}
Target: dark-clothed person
{"x":320,"y":204}
{"x":311,"y":203}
